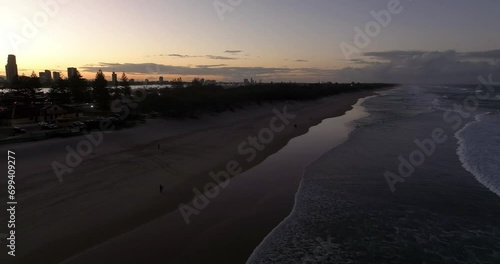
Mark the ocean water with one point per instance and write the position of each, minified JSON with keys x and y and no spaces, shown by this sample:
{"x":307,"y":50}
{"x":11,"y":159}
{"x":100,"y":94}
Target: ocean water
{"x":479,"y":149}
{"x":479,"y":140}
{"x":446,"y":211}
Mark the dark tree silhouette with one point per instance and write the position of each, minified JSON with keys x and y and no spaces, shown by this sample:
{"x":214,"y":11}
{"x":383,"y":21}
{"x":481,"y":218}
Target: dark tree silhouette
{"x":25,"y":87}
{"x":195,"y":99}
{"x":177,"y":83}
{"x":60,"y":92}
{"x":100,"y":91}
{"x":125,"y":85}
{"x":34,"y":82}
{"x":196,"y":82}
{"x":79,"y":88}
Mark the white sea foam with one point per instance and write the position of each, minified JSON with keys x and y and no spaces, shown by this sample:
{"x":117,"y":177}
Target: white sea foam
{"x":313,"y":250}
{"x":295,"y":240}
{"x":479,"y":150}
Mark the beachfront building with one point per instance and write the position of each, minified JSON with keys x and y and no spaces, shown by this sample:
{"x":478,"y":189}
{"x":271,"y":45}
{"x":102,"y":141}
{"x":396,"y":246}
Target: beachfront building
{"x":11,"y":68}
{"x":41,"y":75}
{"x":57,"y":76}
{"x":57,"y":112}
{"x":114,"y":79}
{"x":45,"y":76}
{"x":72,"y":72}
{"x":48,"y":75}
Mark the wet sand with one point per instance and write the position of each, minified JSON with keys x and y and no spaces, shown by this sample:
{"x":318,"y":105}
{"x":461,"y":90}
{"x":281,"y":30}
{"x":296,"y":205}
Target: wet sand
{"x":236,"y":220}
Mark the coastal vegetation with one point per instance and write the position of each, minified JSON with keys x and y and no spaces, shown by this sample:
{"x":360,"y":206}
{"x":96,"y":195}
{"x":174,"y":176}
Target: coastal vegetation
{"x":90,"y":100}
{"x":196,"y":98}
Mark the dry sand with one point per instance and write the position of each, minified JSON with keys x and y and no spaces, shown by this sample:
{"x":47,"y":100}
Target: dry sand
{"x":116,"y":189}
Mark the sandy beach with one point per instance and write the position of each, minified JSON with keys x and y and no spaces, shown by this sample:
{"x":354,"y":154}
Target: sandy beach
{"x":256,"y":132}
{"x":115,"y":189}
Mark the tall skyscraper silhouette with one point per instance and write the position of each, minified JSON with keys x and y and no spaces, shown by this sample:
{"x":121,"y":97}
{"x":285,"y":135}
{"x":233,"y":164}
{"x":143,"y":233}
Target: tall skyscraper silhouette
{"x":42,"y":77}
{"x":57,"y":76}
{"x":72,"y":72}
{"x":48,"y":75}
{"x":11,"y":68}
{"x":114,"y":78}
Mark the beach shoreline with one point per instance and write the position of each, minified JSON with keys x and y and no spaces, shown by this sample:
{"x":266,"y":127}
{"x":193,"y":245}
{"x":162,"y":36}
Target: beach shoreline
{"x":347,"y":211}
{"x":97,"y":205}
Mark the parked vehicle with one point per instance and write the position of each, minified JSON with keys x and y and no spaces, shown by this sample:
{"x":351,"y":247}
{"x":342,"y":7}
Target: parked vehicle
{"x":54,"y":126}
{"x":17,"y":130}
{"x":51,"y":125}
{"x":79,"y":124}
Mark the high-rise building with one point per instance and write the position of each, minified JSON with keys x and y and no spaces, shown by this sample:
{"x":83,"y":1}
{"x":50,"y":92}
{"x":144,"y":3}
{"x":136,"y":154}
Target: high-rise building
{"x":72,"y":72}
{"x":11,"y":68}
{"x":114,"y":78}
{"x":45,"y":76}
{"x":57,"y":76}
{"x":42,"y":77}
{"x":48,"y":75}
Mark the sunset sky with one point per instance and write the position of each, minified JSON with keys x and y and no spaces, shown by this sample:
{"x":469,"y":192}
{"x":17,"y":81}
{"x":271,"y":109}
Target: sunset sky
{"x":297,"y":40}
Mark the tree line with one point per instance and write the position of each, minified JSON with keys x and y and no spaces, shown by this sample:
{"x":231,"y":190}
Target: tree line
{"x":72,"y":90}
{"x":77,"y":89}
{"x":180,"y":100}
{"x":194,"y":99}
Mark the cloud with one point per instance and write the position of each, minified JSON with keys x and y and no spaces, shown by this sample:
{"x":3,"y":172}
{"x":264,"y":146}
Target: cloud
{"x":490,"y":54}
{"x":423,"y":67}
{"x":360,"y":61}
{"x":233,"y":51}
{"x":229,"y":73}
{"x":106,"y":64}
{"x":393,"y":54}
{"x":211,"y":66}
{"x":180,"y":56}
{"x":212,"y":57}
{"x":397,"y":66}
